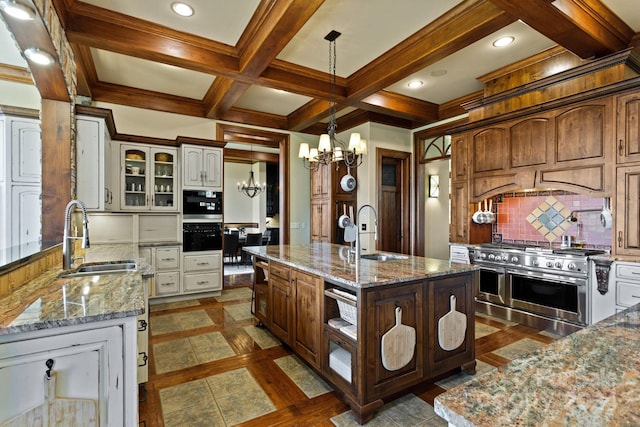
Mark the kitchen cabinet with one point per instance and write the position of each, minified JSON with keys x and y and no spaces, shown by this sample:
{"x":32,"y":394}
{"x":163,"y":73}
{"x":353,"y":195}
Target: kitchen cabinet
{"x":260,"y":301}
{"x":627,"y":211}
{"x":460,"y":214}
{"x":459,"y":157}
{"x":93,"y":370}
{"x":627,"y":284}
{"x":148,"y":178}
{"x":327,"y":202}
{"x":628,"y":128}
{"x":202,"y":271}
{"x":488,"y":147}
{"x":307,"y":323}
{"x":280,"y":307}
{"x":94,"y":164}
{"x":20,"y":186}
{"x":142,"y":336}
{"x":167,"y":266}
{"x":201,"y":167}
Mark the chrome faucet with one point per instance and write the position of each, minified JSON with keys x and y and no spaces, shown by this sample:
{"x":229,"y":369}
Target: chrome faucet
{"x":375,"y":229}
{"x":67,"y":260}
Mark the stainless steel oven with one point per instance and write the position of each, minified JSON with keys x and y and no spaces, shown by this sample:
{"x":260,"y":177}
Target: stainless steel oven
{"x":201,"y":236}
{"x":492,"y":284}
{"x":559,"y":296}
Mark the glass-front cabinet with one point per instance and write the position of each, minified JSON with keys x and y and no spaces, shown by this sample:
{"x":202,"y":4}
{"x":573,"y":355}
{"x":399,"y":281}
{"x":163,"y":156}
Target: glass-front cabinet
{"x":148,"y":178}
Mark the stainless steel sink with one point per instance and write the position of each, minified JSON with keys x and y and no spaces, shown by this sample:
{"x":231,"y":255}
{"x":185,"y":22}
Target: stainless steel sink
{"x":91,"y":269}
{"x":383,"y":257}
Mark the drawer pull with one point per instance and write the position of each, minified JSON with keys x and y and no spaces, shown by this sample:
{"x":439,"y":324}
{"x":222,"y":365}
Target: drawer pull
{"x":142,"y":325}
{"x":202,"y":263}
{"x":203,"y":282}
{"x":168,"y":259}
{"x":167,"y":284}
{"x":145,"y":358}
{"x":635,"y":296}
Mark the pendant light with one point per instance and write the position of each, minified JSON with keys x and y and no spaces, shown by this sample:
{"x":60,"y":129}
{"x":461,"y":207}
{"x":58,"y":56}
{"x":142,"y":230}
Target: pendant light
{"x":251,"y":188}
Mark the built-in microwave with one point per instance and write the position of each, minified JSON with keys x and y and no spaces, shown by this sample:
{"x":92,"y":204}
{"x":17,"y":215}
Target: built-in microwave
{"x":201,"y":202}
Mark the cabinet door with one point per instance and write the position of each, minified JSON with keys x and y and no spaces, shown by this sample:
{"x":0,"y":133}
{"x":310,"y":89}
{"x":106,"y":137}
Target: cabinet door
{"x":320,"y":221}
{"x":459,"y":157}
{"x":627,"y":238}
{"x":439,"y":297}
{"x":202,"y":282}
{"x":280,"y":309}
{"x":163,"y":166}
{"x":133,"y":178}
{"x":192,"y":173}
{"x":589,"y":123}
{"x":628,"y":129}
{"x":167,"y":283}
{"x":26,"y":151}
{"x":93,"y":157}
{"x":459,"y":228}
{"x":306,"y":314}
{"x":261,"y":301}
{"x":320,"y":181}
{"x":26,"y":226}
{"x":212,"y":168}
{"x":489,"y":147}
{"x":529,"y":140}
{"x":380,"y":309}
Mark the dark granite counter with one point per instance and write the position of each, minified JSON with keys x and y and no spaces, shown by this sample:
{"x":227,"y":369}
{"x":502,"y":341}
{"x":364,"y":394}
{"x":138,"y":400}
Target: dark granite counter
{"x":590,"y":378}
{"x":334,"y":264}
{"x":50,"y":301}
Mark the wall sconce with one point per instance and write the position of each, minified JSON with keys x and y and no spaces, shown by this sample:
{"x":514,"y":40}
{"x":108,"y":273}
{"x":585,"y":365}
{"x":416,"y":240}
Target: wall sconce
{"x":434,"y":186}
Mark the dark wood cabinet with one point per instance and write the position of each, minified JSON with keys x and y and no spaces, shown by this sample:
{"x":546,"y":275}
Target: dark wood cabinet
{"x":320,"y":220}
{"x":281,"y":313}
{"x":306,"y":315}
{"x":260,"y":290}
{"x":529,"y":141}
{"x":628,"y":128}
{"x":459,"y":157}
{"x":627,"y":210}
{"x":489,"y":146}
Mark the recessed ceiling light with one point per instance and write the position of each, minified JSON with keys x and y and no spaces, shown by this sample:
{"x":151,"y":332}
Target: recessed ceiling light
{"x":438,"y":73}
{"x":17,"y":10}
{"x":504,"y":41}
{"x":182,"y":9}
{"x":414,"y":84}
{"x":38,"y":56}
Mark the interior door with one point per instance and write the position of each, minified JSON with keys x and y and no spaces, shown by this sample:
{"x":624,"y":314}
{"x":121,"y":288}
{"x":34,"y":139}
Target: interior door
{"x":393,"y":200}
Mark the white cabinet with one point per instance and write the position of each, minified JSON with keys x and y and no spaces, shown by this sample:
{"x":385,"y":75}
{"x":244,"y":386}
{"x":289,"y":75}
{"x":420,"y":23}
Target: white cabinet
{"x":94,"y":164}
{"x":201,"y":167}
{"x":202,"y":271}
{"x":91,"y":371}
{"x":142,"y":337}
{"x":20,"y":187}
{"x":627,"y":278}
{"x":148,"y":178}
{"x":167,"y":265}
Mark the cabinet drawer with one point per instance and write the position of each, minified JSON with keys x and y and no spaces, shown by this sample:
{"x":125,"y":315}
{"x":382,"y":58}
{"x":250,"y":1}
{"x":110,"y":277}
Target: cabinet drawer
{"x":629,"y":271}
{"x":279,"y":270}
{"x":627,"y":294}
{"x":167,"y":283}
{"x":202,"y":282}
{"x":168,"y":258}
{"x":202,"y":262}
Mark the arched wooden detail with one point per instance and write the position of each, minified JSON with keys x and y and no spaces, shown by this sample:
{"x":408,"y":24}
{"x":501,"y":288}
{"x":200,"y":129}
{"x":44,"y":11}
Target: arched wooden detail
{"x":435,"y":148}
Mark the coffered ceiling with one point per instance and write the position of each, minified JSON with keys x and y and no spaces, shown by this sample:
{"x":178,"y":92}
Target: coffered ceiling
{"x":266,"y":62}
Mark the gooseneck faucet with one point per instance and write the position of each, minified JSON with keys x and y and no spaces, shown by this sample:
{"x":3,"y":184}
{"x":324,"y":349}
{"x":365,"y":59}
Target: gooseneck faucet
{"x":375,"y":229}
{"x":67,"y":260}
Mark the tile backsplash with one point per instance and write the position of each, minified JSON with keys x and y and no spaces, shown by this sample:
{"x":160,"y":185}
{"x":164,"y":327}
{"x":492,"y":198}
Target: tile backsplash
{"x":513,"y":209}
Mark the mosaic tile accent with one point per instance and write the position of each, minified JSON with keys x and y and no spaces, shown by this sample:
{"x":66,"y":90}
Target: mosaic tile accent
{"x":549,"y":218}
{"x":262,"y":337}
{"x":310,"y":383}
{"x":406,"y":411}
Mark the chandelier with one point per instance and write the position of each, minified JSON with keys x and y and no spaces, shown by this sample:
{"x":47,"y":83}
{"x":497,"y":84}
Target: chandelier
{"x":251,"y":188}
{"x":331,"y":149}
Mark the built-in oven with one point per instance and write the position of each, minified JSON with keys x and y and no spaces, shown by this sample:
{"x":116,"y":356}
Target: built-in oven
{"x":560,"y":296}
{"x":201,"y":202}
{"x":201,"y":236}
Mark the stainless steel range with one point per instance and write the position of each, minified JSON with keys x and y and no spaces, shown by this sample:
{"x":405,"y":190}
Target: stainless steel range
{"x":540,"y":287}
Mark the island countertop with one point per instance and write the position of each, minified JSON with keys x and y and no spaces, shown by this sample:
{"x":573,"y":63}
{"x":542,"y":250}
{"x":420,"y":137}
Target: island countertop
{"x":332,"y":262}
{"x":589,"y":378}
{"x":49,"y":301}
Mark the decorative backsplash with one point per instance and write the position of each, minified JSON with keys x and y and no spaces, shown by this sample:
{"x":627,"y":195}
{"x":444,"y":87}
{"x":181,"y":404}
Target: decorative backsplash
{"x":535,"y":217}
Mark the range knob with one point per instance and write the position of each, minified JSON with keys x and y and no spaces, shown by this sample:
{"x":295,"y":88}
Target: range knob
{"x":492,"y":257}
{"x":514,"y":260}
{"x":558,"y":264}
{"x":483,"y":256}
{"x":535,"y":262}
{"x":571,"y":266}
{"x":549,"y":264}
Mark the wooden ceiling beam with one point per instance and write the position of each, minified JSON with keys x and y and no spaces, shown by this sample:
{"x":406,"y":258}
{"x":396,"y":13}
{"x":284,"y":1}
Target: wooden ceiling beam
{"x":585,"y":27}
{"x":401,"y":106}
{"x":86,"y":73}
{"x":309,"y":114}
{"x":222,"y":95}
{"x":463,"y":25}
{"x":255,"y":118}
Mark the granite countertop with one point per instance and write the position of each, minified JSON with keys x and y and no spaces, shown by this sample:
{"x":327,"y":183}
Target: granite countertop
{"x":589,"y":378}
{"x":49,"y":301}
{"x":333,"y":263}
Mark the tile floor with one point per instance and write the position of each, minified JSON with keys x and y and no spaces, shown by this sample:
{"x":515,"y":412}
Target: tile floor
{"x":210,"y":366}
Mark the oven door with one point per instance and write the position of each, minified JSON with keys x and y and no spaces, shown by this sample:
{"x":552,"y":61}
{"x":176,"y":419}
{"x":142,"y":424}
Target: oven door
{"x":551,"y":295}
{"x":201,"y":236}
{"x":492,"y":284}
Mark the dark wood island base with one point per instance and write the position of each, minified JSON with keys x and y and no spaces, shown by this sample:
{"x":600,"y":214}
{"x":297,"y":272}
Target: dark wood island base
{"x":371,"y":330}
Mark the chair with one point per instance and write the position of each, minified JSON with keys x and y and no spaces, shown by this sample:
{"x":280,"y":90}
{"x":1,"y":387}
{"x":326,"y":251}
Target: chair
{"x":266,"y":236}
{"x":231,"y":246}
{"x":253,"y":239}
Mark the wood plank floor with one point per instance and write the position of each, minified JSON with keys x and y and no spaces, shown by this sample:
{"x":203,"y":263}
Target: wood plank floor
{"x":182,"y":327}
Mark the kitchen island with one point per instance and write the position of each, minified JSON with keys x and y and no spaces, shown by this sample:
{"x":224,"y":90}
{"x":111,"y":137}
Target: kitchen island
{"x":372,"y":328}
{"x":589,"y":378}
{"x":70,"y":342}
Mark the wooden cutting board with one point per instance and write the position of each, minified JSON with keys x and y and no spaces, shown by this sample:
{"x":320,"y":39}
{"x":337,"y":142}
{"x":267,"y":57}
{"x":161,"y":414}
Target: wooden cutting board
{"x":452,"y":327}
{"x":398,"y":344}
{"x":56,"y":412}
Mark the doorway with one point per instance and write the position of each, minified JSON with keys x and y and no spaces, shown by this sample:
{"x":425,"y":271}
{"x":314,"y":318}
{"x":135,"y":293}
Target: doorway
{"x":393,"y":200}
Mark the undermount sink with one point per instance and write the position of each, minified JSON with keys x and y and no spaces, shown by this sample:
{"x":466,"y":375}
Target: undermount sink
{"x":383,"y":257}
{"x":91,"y":269}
